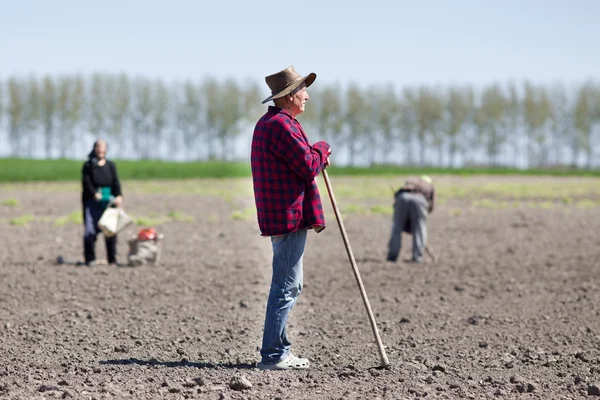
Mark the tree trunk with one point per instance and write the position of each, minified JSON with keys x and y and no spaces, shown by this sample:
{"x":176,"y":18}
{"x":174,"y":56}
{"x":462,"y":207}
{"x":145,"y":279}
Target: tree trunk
{"x":408,"y":153}
{"x":452,"y":151}
{"x":15,"y":146}
{"x":351,"y":153}
{"x":32,"y":143}
{"x":212,"y":152}
{"x":574,"y":154}
{"x":48,"y":134}
{"x":422,"y":148}
{"x":223,"y":146}
{"x":138,"y":147}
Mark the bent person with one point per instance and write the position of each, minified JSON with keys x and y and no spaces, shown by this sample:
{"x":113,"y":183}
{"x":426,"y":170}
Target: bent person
{"x":413,"y":202}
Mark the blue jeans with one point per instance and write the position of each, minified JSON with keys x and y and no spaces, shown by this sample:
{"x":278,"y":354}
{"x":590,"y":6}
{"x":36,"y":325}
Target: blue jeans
{"x":286,"y":285}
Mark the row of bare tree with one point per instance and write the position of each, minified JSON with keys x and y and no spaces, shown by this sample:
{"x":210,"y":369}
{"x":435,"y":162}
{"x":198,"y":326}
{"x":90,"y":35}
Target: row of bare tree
{"x":202,"y":119}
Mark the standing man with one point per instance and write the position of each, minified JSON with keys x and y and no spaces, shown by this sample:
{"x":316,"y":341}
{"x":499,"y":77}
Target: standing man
{"x":414,"y":201}
{"x":284,"y":167}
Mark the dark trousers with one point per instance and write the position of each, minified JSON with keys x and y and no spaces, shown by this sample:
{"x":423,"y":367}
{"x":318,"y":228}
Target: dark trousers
{"x":92,"y":211}
{"x":410,"y":215}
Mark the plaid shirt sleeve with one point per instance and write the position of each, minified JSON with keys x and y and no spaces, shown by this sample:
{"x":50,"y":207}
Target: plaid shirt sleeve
{"x":292,"y":146}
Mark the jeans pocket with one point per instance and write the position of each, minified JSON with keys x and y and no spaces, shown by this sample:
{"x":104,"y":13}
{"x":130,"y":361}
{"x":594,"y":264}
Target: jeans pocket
{"x":278,"y":239}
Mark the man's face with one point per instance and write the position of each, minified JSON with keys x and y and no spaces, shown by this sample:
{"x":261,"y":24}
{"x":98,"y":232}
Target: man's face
{"x":298,"y":100}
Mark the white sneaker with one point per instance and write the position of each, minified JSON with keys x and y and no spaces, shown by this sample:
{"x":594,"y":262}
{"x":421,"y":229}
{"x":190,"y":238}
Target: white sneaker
{"x":290,"y":362}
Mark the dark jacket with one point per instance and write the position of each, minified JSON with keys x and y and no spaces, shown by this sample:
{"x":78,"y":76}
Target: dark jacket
{"x":91,"y":177}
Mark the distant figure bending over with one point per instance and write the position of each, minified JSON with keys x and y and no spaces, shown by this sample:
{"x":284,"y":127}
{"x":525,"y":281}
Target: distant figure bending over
{"x":413,"y":202}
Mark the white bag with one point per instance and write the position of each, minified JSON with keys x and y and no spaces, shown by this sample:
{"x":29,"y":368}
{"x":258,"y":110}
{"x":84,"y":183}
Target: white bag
{"x":113,"y":221}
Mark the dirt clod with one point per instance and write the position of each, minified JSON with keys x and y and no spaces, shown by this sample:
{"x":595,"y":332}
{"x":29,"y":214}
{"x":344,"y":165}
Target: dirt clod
{"x":239,"y":383}
{"x":47,"y":388}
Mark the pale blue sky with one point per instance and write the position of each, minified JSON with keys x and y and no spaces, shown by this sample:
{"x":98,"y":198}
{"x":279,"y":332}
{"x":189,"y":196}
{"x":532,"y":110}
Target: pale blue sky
{"x":400,"y":42}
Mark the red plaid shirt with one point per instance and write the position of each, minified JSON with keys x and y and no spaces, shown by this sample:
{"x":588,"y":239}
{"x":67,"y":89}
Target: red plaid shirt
{"x":284,"y":167}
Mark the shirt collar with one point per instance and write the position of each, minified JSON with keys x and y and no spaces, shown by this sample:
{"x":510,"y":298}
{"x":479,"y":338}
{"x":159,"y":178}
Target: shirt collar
{"x":274,"y":109}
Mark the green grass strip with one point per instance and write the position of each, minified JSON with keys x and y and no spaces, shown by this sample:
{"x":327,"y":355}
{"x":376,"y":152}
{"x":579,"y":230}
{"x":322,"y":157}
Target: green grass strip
{"x":29,"y":170}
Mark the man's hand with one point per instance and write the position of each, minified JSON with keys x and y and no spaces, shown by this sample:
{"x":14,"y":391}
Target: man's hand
{"x":98,"y":196}
{"x":118,"y":201}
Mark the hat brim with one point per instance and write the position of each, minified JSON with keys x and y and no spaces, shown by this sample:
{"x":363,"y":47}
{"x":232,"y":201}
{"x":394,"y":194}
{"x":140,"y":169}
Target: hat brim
{"x":309,"y":79}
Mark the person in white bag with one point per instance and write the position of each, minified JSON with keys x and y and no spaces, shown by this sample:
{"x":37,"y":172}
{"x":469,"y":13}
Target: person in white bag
{"x":100,"y":184}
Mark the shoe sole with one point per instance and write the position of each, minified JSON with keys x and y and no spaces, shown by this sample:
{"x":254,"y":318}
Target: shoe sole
{"x":294,"y":363}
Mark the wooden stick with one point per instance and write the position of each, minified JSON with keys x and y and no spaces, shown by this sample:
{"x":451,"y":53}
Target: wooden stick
{"x":431,"y":253}
{"x":384,"y":360}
